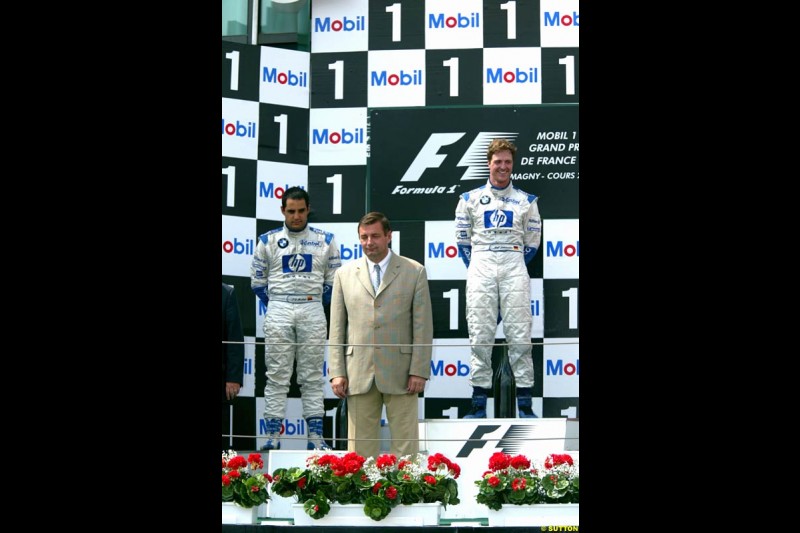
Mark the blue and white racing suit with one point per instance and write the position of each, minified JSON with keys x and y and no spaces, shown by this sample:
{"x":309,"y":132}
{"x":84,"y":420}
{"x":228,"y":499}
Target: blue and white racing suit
{"x":292,"y":274}
{"x":498,"y":231}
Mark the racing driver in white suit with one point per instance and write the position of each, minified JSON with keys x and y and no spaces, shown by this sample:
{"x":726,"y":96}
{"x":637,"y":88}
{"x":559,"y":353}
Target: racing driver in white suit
{"x":292,"y":274}
{"x":498,"y":232}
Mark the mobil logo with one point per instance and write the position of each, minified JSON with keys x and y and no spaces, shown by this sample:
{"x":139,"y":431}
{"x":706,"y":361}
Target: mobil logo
{"x":238,"y":247}
{"x":239,"y":129}
{"x":438,"y":368}
{"x":248,"y":366}
{"x":402,"y":78}
{"x":459,"y":20}
{"x":272,"y":190}
{"x":343,"y":136}
{"x":350,"y":253}
{"x":560,"y":367}
{"x":535,"y":308}
{"x":437,"y":250}
{"x":561,"y":249}
{"x":298,"y":427}
{"x":517,"y":75}
{"x":293,"y":79}
{"x":324,"y":25}
{"x":555,"y":18}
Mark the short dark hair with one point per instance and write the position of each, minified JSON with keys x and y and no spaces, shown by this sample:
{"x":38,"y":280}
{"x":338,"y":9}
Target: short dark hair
{"x":373,"y":217}
{"x":498,"y":145}
{"x":295,"y":193}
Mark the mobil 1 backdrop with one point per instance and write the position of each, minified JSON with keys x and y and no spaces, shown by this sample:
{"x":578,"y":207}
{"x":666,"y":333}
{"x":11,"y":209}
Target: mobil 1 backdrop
{"x":392,"y":110}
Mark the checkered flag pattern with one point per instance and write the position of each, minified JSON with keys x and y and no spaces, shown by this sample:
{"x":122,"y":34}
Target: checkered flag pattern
{"x":392,"y":110}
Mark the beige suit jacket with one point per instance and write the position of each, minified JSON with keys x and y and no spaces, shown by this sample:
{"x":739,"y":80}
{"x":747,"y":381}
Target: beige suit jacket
{"x":399,"y":314}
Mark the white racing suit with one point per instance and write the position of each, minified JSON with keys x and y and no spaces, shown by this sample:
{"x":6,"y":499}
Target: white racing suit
{"x":498,"y":231}
{"x":292,"y":274}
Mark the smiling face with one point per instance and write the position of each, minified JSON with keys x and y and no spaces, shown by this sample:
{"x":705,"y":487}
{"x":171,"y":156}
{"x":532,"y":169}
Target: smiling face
{"x":500,"y":167}
{"x":374,"y":241}
{"x":295,"y":214}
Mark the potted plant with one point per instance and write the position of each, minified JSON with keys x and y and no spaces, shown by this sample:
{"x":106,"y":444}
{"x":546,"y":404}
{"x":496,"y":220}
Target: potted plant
{"x":242,"y":486}
{"x":515,"y":481}
{"x":376,"y":484}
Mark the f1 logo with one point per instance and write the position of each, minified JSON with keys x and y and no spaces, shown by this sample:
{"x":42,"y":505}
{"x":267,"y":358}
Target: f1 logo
{"x":510,"y":443}
{"x":474,"y":158}
{"x":429,"y":157}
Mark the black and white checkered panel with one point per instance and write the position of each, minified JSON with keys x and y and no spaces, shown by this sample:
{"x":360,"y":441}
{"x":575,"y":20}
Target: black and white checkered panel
{"x":392,"y":110}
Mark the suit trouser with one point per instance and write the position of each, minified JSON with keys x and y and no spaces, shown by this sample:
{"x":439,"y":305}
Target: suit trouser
{"x":364,"y":422}
{"x":304,"y":324}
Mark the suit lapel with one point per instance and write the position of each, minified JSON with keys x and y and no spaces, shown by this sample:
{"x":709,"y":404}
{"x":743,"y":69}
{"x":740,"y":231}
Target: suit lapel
{"x":392,"y":269}
{"x":363,"y":277}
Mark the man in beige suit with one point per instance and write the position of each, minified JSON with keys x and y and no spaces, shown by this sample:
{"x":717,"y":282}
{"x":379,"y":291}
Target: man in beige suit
{"x":380,"y":341}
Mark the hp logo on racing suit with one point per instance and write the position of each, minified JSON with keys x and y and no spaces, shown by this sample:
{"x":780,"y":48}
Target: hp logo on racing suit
{"x":498,"y":219}
{"x":296,"y":263}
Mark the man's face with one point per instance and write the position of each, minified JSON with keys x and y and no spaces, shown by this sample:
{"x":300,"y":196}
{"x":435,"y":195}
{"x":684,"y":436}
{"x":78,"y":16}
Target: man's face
{"x":500,"y":168}
{"x":374,"y":241}
{"x":296,"y":214}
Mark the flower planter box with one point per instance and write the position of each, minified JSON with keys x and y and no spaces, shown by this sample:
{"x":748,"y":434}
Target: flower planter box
{"x":418,"y":514}
{"x":538,"y":514}
{"x":234,"y":514}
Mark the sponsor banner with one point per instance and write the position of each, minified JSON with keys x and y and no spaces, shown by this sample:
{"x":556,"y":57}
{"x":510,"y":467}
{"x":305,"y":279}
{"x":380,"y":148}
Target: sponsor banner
{"x":239,"y":128}
{"x":512,"y":76}
{"x":423,"y":159}
{"x":284,"y":77}
{"x":561,"y":367}
{"x":449,"y":371}
{"x":338,"y":136}
{"x":561,"y":247}
{"x":339,"y":26}
{"x":396,"y":78}
{"x":238,"y":245}
{"x":294,"y":430}
{"x":273,"y":180}
{"x":442,"y":258}
{"x":560,"y":23}
{"x":453,"y":24}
